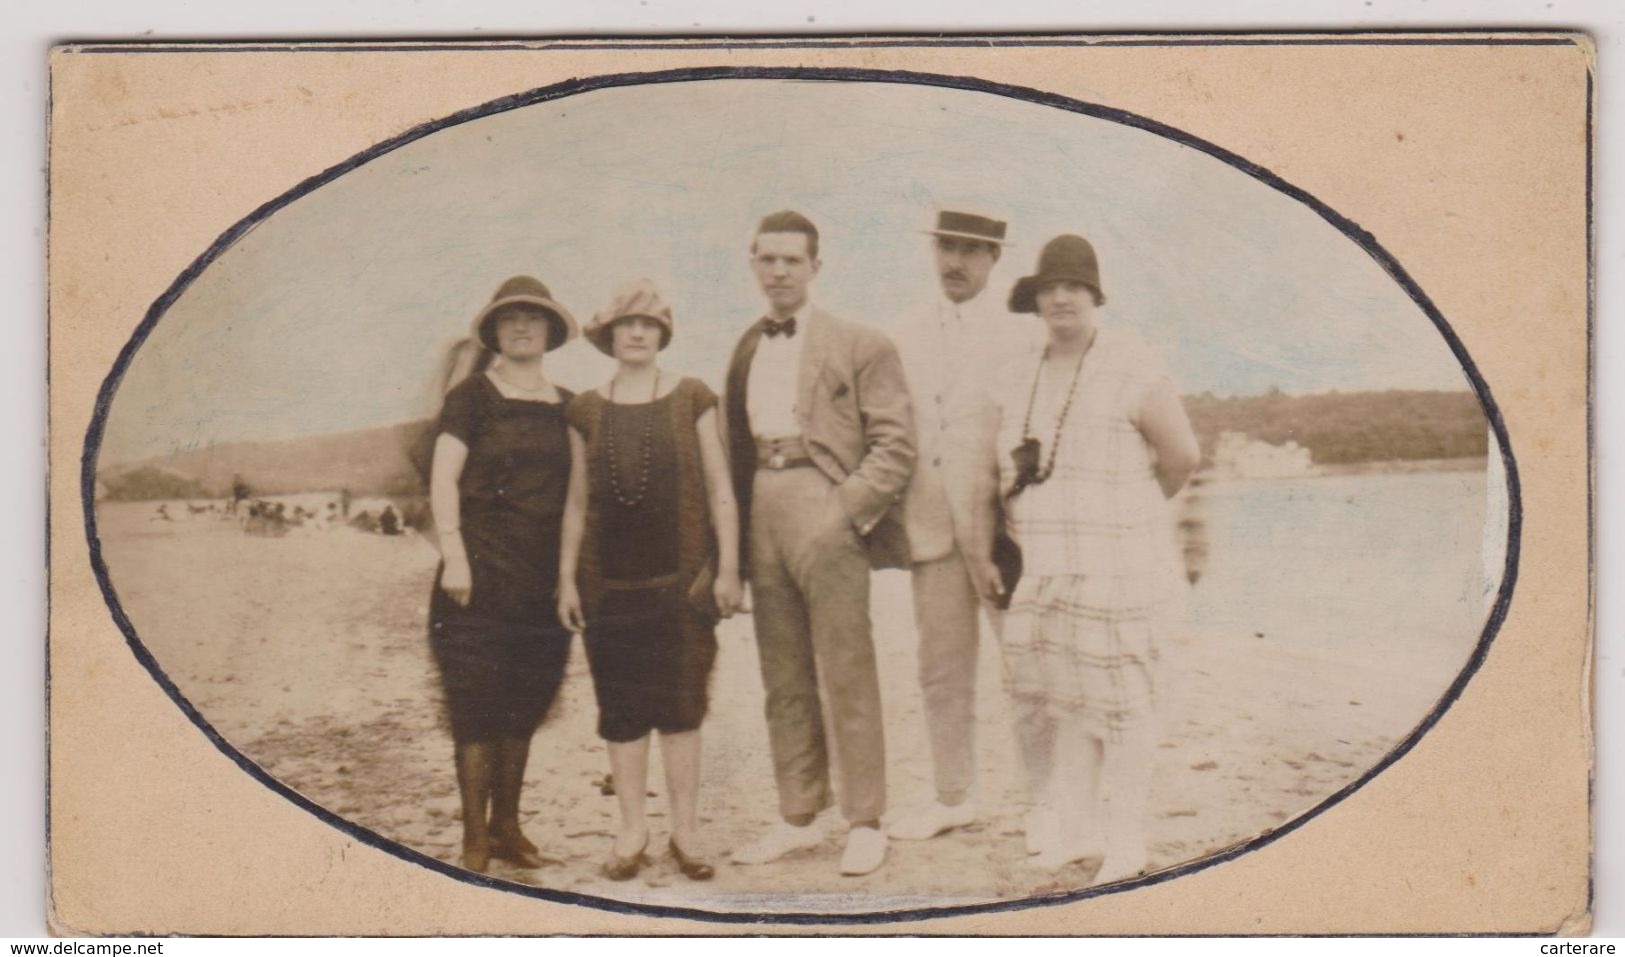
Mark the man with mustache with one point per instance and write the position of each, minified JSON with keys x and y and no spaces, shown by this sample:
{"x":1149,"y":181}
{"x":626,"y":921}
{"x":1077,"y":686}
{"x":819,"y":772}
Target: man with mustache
{"x":945,"y":348}
{"x":821,"y":436}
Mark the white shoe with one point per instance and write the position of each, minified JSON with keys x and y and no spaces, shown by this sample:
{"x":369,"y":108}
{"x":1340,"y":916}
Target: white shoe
{"x":928,"y":820}
{"x":1059,"y":855}
{"x":1042,"y":828}
{"x":777,"y":841}
{"x":1120,"y":866}
{"x":865,"y":851}
{"x":1067,"y":845}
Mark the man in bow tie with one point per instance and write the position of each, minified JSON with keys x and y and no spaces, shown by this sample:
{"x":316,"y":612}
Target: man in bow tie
{"x":821,"y":434}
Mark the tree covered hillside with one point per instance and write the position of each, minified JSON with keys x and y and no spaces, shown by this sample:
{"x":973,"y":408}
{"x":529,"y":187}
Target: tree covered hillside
{"x":1350,"y":427}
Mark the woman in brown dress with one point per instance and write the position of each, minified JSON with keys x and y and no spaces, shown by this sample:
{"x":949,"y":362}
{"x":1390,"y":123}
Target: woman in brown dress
{"x":497,"y":486}
{"x":649,"y":563}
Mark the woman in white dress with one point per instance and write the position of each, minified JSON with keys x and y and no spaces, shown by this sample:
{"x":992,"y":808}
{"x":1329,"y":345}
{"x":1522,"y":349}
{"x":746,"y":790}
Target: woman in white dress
{"x":1091,"y":440}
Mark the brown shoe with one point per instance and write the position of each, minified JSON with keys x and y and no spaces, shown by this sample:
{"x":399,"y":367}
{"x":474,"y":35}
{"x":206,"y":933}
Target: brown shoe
{"x":625,"y":868}
{"x":519,"y":852}
{"x":693,"y":868}
{"x":477,"y":857}
{"x":513,"y":837}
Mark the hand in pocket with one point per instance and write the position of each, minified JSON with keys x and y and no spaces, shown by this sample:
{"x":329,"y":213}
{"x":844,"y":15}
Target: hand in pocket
{"x":836,"y":526}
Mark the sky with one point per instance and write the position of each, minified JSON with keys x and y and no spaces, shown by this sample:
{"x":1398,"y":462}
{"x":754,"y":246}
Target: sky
{"x":334,"y":313}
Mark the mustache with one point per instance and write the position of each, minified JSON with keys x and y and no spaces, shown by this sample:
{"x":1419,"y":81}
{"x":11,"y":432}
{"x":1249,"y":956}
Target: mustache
{"x":955,"y":274}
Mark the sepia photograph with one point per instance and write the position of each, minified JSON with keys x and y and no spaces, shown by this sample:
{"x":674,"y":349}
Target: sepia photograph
{"x":755,"y":495}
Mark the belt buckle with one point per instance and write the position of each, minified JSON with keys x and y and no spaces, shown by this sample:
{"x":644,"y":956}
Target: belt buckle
{"x":776,"y":461}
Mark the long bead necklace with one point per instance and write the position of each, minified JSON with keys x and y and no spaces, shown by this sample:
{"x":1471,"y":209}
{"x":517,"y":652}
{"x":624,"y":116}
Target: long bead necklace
{"x":1048,"y":468}
{"x":645,"y":457}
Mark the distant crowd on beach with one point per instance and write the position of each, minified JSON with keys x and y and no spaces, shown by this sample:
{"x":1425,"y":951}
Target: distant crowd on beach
{"x":269,"y":518}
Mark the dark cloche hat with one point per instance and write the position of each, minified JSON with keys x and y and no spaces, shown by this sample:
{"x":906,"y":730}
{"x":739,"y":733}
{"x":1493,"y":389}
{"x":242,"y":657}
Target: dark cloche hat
{"x":1065,"y":258}
{"x":525,"y":291}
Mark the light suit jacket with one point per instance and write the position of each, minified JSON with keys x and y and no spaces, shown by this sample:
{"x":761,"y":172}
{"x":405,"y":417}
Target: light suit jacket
{"x":953,"y":416}
{"x":853,"y":406}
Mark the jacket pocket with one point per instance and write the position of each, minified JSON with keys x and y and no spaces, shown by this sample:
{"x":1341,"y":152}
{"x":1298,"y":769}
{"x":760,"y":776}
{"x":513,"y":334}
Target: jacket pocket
{"x":837,"y":395}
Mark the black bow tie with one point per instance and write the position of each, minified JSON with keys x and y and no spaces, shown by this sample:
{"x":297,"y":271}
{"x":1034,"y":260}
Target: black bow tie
{"x":773,"y":327}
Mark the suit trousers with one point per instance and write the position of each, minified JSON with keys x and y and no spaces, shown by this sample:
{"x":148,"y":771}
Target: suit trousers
{"x":810,"y":603}
{"x":947,"y":614}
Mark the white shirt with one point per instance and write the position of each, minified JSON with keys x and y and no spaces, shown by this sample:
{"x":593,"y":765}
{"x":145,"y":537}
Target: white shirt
{"x":950,"y":352}
{"x":775,"y":372}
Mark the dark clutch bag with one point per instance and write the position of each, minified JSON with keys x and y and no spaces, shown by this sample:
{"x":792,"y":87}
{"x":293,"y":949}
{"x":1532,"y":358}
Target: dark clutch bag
{"x":1007,"y":558}
{"x":1006,"y":553}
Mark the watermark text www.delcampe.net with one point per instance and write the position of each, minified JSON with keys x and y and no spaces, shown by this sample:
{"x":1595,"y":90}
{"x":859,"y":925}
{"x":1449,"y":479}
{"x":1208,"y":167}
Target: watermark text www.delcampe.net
{"x":73,"y":947}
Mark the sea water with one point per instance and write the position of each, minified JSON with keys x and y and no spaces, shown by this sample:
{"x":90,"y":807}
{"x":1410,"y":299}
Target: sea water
{"x":1403,"y":562}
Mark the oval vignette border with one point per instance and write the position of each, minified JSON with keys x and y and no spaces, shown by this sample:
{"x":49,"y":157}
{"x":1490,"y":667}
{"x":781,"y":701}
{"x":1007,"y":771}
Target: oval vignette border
{"x":571,"y":87}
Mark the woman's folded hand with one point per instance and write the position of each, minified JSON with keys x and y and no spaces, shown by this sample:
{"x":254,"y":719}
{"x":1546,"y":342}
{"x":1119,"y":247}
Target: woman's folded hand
{"x":729,"y":593}
{"x":570,"y":615}
{"x":457,"y":581}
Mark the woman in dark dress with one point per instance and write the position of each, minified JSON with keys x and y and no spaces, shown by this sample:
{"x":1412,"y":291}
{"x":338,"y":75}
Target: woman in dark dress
{"x":497,"y":486}
{"x":651,"y":538}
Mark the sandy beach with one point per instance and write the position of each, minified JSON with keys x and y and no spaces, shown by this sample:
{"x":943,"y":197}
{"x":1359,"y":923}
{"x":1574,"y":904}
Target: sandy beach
{"x":308,"y":653}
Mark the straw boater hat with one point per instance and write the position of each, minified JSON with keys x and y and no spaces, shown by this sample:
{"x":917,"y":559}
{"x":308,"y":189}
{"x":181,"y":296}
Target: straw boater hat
{"x":525,"y":291}
{"x":636,"y":298}
{"x":1064,"y":259}
{"x":968,"y":226}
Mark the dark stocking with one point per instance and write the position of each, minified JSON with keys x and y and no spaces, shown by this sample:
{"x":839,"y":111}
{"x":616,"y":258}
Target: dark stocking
{"x":509,"y":780}
{"x":474,"y":764}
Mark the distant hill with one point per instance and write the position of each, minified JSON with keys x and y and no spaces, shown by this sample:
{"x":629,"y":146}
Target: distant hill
{"x":1341,"y":428}
{"x":148,"y":482}
{"x":1336,"y":428}
{"x":377,"y":461}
